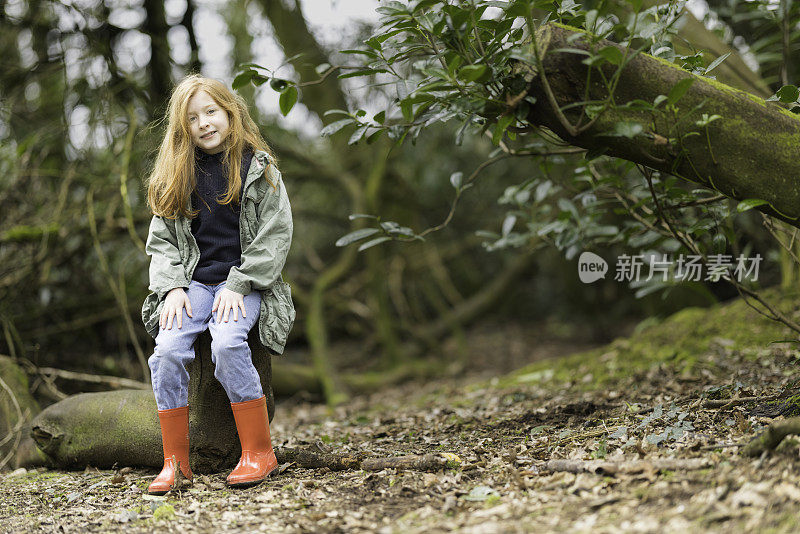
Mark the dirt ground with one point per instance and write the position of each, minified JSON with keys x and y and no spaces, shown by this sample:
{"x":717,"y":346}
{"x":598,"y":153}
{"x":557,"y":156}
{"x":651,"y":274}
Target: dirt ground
{"x":503,"y":429}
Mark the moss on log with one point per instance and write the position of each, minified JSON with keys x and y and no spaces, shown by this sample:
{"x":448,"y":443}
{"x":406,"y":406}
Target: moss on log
{"x":121,"y":427}
{"x":749,"y":153}
{"x":772,"y":436}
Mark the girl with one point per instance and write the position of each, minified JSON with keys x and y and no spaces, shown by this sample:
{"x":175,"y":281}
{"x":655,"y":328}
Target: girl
{"x":221,"y":230}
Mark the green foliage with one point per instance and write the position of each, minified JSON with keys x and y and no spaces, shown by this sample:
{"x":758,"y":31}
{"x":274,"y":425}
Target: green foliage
{"x":165,"y":512}
{"x":450,"y":61}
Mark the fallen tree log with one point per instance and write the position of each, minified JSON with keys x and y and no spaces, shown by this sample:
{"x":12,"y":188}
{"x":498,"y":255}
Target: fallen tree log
{"x":121,"y":427}
{"x":749,"y":152}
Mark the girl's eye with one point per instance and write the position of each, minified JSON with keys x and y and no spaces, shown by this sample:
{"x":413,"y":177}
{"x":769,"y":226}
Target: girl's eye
{"x":191,"y":119}
{"x":210,"y":111}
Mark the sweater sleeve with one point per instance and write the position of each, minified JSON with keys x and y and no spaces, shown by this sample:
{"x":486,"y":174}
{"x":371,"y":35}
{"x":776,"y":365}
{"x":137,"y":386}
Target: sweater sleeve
{"x":166,"y":268}
{"x":263,"y":259}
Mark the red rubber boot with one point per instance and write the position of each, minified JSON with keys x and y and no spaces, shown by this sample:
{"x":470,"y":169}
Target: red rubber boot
{"x":175,"y":435}
{"x":258,"y":459}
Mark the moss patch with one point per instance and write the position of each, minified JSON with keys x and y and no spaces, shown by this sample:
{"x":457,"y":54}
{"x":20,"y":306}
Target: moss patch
{"x":165,"y":512}
{"x":677,"y":342}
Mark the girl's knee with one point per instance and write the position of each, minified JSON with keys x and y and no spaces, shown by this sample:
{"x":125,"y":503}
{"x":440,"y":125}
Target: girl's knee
{"x":169,"y":342}
{"x":228,"y":345}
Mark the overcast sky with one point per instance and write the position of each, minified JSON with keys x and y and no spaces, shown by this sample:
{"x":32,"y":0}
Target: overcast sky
{"x":331,"y":21}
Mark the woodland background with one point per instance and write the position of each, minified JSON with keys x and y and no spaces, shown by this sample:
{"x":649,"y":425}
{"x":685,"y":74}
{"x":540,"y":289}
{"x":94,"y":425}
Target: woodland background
{"x":80,"y":126}
{"x":447,"y":162}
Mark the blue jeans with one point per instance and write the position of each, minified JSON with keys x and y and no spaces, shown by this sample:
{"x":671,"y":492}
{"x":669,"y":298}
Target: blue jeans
{"x":233,"y":362}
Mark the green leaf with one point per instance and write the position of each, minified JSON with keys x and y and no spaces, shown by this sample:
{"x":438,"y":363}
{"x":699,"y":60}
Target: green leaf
{"x":374,"y":43}
{"x":334,"y":127}
{"x":719,"y":243}
{"x":406,"y":109}
{"x":352,"y":237}
{"x":371,"y":138}
{"x":358,"y":134}
{"x":504,"y":122}
{"x":453,"y":63}
{"x":288,"y":99}
{"x":788,"y":94}
{"x":750,"y":203}
{"x":714,"y":64}
{"x":379,"y":117}
{"x":472,"y":73}
{"x":278,"y":84}
{"x":242,"y":79}
{"x":679,"y":89}
{"x":425,"y":4}
{"x":363,"y":72}
{"x":520,"y":8}
{"x":373,"y":242}
{"x":336,"y":112}
{"x":368,"y":53}
{"x":612,"y":54}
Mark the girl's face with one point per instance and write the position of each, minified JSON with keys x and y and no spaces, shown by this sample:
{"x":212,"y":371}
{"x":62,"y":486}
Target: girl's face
{"x":208,"y":123}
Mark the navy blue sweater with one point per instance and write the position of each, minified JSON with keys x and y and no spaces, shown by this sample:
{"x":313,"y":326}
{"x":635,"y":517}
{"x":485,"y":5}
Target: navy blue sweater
{"x":216,"y":227}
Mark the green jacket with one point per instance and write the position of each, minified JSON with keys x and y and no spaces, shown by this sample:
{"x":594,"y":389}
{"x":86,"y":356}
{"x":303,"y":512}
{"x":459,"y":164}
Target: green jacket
{"x":265,"y":230}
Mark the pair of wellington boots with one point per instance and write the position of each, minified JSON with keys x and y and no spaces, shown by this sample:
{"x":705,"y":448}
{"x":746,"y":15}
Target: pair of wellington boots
{"x":252,"y":423}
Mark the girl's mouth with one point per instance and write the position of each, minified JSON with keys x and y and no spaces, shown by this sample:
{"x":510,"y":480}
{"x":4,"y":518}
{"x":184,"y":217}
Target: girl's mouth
{"x":209,"y":134}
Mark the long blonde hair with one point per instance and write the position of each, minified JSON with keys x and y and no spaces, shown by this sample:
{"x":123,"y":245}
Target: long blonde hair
{"x":172,"y":180}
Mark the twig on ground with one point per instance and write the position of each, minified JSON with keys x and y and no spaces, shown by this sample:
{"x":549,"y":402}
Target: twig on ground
{"x":113,"y":381}
{"x":771,"y":438}
{"x":315,"y":459}
{"x":600,"y":467}
{"x":728,"y":403}
{"x":427,"y":462}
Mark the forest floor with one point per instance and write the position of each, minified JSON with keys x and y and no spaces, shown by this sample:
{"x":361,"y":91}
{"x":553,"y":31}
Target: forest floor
{"x":675,"y":389}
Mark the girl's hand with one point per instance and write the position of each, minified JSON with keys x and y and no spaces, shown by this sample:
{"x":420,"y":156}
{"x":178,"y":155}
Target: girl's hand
{"x":228,"y":301}
{"x":173,"y":307}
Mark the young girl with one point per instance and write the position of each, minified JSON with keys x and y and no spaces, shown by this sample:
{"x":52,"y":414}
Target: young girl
{"x":221,"y":230}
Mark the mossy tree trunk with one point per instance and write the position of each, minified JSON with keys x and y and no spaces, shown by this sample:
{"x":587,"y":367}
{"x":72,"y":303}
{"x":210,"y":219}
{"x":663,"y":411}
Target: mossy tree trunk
{"x":121,"y":427}
{"x":749,"y":153}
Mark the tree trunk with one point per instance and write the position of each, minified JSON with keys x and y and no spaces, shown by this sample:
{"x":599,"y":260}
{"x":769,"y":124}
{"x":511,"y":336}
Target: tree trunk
{"x":748,"y":153}
{"x":121,"y":427}
{"x":159,"y":69}
{"x":294,"y":37}
{"x":187,"y":22}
